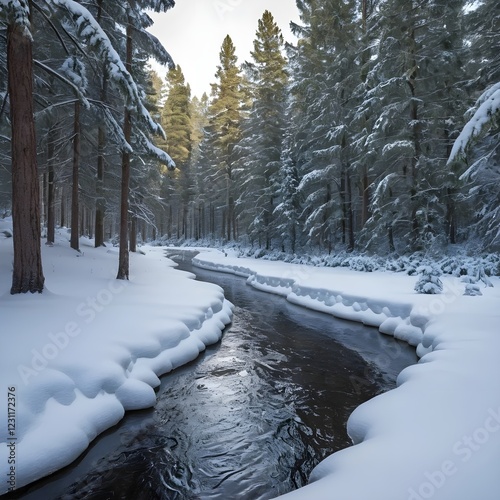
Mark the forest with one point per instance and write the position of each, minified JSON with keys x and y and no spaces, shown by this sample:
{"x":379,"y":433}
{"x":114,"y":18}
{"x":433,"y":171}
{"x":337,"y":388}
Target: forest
{"x":341,"y":142}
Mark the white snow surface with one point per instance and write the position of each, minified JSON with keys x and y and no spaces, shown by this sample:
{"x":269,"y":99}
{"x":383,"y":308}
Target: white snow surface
{"x":76,"y":357}
{"x":437,"y":435}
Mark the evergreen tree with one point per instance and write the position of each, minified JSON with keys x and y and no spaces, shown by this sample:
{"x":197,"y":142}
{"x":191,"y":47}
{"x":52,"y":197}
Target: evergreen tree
{"x":260,"y":147}
{"x":479,"y":141}
{"x":224,"y":128}
{"x":136,"y":23}
{"x":324,"y":69}
{"x":287,"y":211}
{"x":415,"y":104}
{"x":27,"y":274}
{"x":176,"y":121}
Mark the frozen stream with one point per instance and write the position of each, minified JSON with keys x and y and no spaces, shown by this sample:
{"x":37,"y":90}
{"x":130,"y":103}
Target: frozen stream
{"x":249,"y":418}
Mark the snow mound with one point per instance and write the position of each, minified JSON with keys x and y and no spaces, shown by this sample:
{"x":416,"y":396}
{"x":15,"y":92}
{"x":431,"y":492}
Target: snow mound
{"x":91,"y":348}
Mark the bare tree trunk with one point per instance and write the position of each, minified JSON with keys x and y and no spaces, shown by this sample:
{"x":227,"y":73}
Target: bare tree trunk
{"x":417,"y":145}
{"x":365,"y":182}
{"x":51,"y":218}
{"x":75,"y":231}
{"x":100,"y":208}
{"x":123,"y":264}
{"x":27,"y":275}
{"x":100,"y":200}
{"x":350,"y":214}
{"x":63,"y":207}
{"x":365,"y":187}
{"x":133,"y":234}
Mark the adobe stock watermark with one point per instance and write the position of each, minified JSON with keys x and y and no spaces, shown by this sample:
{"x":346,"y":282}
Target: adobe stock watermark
{"x":223,"y":7}
{"x":86,"y":312}
{"x":463,"y":450}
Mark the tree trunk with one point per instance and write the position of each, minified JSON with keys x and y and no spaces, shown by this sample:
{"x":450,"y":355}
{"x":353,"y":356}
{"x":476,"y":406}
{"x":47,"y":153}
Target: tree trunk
{"x":100,"y":208}
{"x":27,"y":275}
{"x":365,"y":187}
{"x":133,"y":234}
{"x":350,"y":214}
{"x":63,"y":207}
{"x":51,"y":216}
{"x":123,"y":263}
{"x":75,"y":231}
{"x":417,"y":145}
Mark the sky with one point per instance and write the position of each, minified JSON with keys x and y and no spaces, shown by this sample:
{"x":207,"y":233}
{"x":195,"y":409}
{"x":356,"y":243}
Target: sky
{"x":193,"y":32}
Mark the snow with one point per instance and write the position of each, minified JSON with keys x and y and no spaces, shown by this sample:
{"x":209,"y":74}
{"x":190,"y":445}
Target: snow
{"x":91,"y":347}
{"x":437,"y":434}
{"x":488,"y":105}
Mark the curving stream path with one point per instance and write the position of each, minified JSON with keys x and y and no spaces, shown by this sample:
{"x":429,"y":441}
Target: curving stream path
{"x":248,"y":419}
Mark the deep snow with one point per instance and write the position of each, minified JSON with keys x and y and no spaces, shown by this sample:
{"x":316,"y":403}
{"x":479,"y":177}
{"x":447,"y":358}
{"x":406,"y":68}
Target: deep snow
{"x":76,"y":357}
{"x":91,"y":347}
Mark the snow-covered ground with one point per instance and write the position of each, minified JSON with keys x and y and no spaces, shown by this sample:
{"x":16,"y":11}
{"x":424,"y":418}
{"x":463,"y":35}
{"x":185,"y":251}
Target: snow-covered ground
{"x":74,"y":358}
{"x":438,"y":434}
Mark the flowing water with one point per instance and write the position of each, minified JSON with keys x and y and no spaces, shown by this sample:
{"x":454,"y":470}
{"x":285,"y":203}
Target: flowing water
{"x":248,"y":419}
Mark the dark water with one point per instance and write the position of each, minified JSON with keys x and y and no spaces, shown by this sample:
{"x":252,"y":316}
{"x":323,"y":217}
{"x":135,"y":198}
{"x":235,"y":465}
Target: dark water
{"x":249,"y":418}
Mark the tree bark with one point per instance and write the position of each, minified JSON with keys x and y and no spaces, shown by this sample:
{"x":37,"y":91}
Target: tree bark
{"x":100,"y":200}
{"x":100,"y":208}
{"x":350,"y":214}
{"x":414,"y":116}
{"x":51,"y":216}
{"x":123,"y":258}
{"x":75,"y":230}
{"x":133,"y":234}
{"x":27,"y":275}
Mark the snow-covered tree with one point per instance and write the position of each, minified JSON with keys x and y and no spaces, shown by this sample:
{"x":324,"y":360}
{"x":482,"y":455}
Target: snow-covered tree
{"x":428,"y":281}
{"x":176,"y":120}
{"x":287,"y":212}
{"x":224,"y":129}
{"x":323,"y":70}
{"x":410,"y":93}
{"x":262,"y":132}
{"x":479,"y":141}
{"x":68,"y":28}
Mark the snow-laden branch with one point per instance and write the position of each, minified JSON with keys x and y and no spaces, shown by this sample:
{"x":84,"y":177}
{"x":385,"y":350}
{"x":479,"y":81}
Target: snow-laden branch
{"x":156,"y":152}
{"x":16,"y":12}
{"x":90,"y":30}
{"x":65,"y":80}
{"x":488,"y":105}
{"x":154,"y":47}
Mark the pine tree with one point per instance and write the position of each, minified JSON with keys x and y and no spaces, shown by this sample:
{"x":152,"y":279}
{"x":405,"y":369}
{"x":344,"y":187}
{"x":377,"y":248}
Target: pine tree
{"x":136,"y":24}
{"x":225,"y":129}
{"x":287,"y":212}
{"x":478,"y":143}
{"x":260,"y":147}
{"x":323,"y":74}
{"x":410,"y":93}
{"x":176,"y":121}
{"x":27,"y":274}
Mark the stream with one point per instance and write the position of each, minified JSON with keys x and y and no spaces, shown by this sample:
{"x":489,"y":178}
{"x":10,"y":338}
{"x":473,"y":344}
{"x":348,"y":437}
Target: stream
{"x":249,"y":418}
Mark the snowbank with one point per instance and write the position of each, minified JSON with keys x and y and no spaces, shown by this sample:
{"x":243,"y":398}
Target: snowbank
{"x":76,"y":357}
{"x":436,"y":435}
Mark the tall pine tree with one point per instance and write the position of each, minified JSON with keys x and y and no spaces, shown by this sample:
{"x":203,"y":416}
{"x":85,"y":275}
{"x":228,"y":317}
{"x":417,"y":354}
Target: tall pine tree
{"x":260,"y":147}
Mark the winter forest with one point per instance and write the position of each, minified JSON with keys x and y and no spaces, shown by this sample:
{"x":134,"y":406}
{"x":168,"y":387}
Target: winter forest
{"x":346,"y":141}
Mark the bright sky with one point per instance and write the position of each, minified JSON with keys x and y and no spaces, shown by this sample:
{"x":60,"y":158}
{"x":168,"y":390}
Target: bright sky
{"x":193,"y":32}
